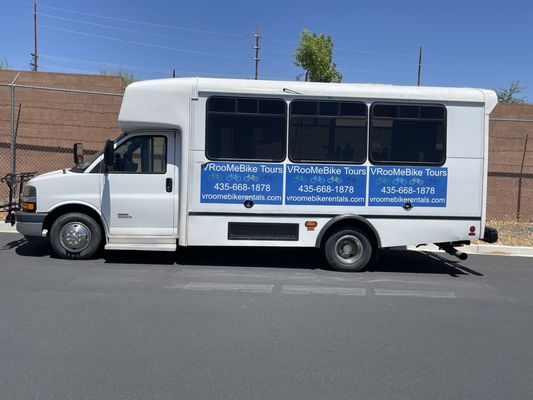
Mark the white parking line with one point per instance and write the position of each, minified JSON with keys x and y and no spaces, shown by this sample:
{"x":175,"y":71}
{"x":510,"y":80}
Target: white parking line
{"x":415,"y":293}
{"x":342,"y":291}
{"x":308,"y":289}
{"x":233,"y":287}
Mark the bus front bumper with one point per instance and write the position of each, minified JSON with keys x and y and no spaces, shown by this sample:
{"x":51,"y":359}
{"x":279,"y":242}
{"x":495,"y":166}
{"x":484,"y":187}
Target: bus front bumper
{"x":30,"y":224}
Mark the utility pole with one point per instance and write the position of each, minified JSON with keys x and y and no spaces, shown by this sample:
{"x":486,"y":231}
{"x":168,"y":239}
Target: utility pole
{"x":257,"y":48}
{"x":419,"y":64}
{"x":34,"y":65}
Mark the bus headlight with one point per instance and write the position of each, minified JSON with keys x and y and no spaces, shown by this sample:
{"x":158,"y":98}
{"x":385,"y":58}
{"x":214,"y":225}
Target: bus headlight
{"x":29,"y":199}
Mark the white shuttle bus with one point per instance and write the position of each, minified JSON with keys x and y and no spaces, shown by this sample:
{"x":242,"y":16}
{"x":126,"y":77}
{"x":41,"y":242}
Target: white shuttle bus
{"x":347,"y":168}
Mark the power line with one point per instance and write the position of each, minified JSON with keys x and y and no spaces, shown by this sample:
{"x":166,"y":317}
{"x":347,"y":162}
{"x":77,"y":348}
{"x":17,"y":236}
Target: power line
{"x":82,"y":33}
{"x":180,"y":28}
{"x":139,"y":32}
{"x":133,"y":67}
{"x":209,"y":31}
{"x":374,"y":61}
{"x":143,"y":43}
{"x":341,"y":48}
{"x":347,"y":59}
{"x":371,"y":71}
{"x":256,"y":47}
{"x":278,"y":62}
{"x":187,"y":29}
{"x":340,"y":69}
{"x":196,"y":52}
{"x":372,"y":52}
{"x":52,"y":67}
{"x":92,"y":62}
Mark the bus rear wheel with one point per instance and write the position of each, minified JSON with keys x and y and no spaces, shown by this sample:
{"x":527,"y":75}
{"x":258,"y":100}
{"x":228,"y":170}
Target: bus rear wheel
{"x":75,"y":236}
{"x":348,"y":250}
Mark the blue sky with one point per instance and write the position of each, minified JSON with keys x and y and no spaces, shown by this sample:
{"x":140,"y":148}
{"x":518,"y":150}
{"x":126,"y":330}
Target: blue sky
{"x":465,"y":43}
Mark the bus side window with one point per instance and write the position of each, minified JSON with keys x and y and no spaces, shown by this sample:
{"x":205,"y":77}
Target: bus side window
{"x":407,"y":134}
{"x":328,"y":131}
{"x":246,"y":129}
{"x":141,"y":155}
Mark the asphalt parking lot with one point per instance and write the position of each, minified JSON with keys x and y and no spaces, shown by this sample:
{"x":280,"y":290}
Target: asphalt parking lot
{"x":262,"y":324}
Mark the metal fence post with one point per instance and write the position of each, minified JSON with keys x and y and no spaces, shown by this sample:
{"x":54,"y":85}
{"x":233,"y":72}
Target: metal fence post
{"x":12,"y":138}
{"x":520,"y":177}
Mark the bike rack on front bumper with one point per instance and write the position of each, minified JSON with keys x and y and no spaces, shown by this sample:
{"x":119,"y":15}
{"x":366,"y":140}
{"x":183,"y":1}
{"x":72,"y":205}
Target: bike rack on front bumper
{"x":15,"y":183}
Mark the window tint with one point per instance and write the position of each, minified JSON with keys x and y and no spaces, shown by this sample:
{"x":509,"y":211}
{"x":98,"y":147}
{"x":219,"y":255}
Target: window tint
{"x":141,"y":155}
{"x":328,"y":132}
{"x":246,"y":129}
{"x":407,"y":134}
{"x":304,"y":108}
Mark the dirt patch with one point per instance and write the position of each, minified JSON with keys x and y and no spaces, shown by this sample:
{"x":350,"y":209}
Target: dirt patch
{"x":512,"y":233}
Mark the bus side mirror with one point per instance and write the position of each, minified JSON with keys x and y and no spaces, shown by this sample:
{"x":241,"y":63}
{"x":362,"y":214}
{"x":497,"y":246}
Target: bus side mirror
{"x":77,"y":151}
{"x":108,"y":155}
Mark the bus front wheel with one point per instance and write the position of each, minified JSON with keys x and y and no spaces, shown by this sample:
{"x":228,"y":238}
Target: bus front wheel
{"x":75,"y":236}
{"x":348,"y":250}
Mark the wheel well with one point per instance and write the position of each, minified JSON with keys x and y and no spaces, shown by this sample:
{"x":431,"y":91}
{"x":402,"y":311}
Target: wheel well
{"x":70,"y":208}
{"x":349,"y":222}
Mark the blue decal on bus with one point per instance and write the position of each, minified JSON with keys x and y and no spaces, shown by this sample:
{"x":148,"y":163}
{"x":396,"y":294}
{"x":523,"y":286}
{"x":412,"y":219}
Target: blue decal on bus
{"x":419,"y":186}
{"x":234,"y":183}
{"x":325,"y":185}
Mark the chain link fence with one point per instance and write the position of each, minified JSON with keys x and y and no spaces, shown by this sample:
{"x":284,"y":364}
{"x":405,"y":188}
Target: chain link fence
{"x":510,"y":177}
{"x":39,"y":126}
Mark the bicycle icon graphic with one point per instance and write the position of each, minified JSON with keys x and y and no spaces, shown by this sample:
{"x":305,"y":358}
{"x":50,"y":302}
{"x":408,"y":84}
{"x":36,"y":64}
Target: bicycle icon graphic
{"x":416,"y":181}
{"x":382,"y":181}
{"x":299,"y":179}
{"x":251,"y":177}
{"x":233,"y":177}
{"x":317,"y":179}
{"x":334,"y":179}
{"x":215,"y":177}
{"x":399,"y":181}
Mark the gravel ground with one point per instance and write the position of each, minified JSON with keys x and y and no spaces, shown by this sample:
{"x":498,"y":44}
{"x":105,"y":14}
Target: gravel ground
{"x":513,"y":233}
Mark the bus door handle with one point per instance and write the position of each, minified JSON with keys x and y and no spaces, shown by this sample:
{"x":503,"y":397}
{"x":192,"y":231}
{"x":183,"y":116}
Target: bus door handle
{"x":169,"y":185}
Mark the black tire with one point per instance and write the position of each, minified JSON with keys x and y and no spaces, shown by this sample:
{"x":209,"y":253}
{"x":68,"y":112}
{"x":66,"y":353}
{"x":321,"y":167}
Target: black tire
{"x":75,"y":236}
{"x":348,"y":250}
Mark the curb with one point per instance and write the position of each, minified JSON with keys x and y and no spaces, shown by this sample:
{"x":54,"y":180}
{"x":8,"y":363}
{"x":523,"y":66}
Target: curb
{"x":490,"y":249}
{"x":7,"y":228}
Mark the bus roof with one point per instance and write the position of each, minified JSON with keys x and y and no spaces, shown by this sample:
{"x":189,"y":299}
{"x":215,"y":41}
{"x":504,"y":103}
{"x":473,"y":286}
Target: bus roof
{"x":153,"y":103}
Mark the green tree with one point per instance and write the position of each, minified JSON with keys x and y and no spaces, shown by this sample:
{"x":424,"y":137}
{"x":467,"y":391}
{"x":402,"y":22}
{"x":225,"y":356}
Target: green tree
{"x":4,"y":64}
{"x":510,"y":95}
{"x":127,"y":77}
{"x":315,"y":55}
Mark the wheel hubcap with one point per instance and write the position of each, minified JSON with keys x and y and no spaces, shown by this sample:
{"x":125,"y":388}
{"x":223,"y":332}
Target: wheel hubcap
{"x":348,"y":249}
{"x":75,"y":236}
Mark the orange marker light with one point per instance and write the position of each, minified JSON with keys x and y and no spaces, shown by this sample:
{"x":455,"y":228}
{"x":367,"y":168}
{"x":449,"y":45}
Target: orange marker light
{"x":311,"y":224}
{"x":28,"y":206}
